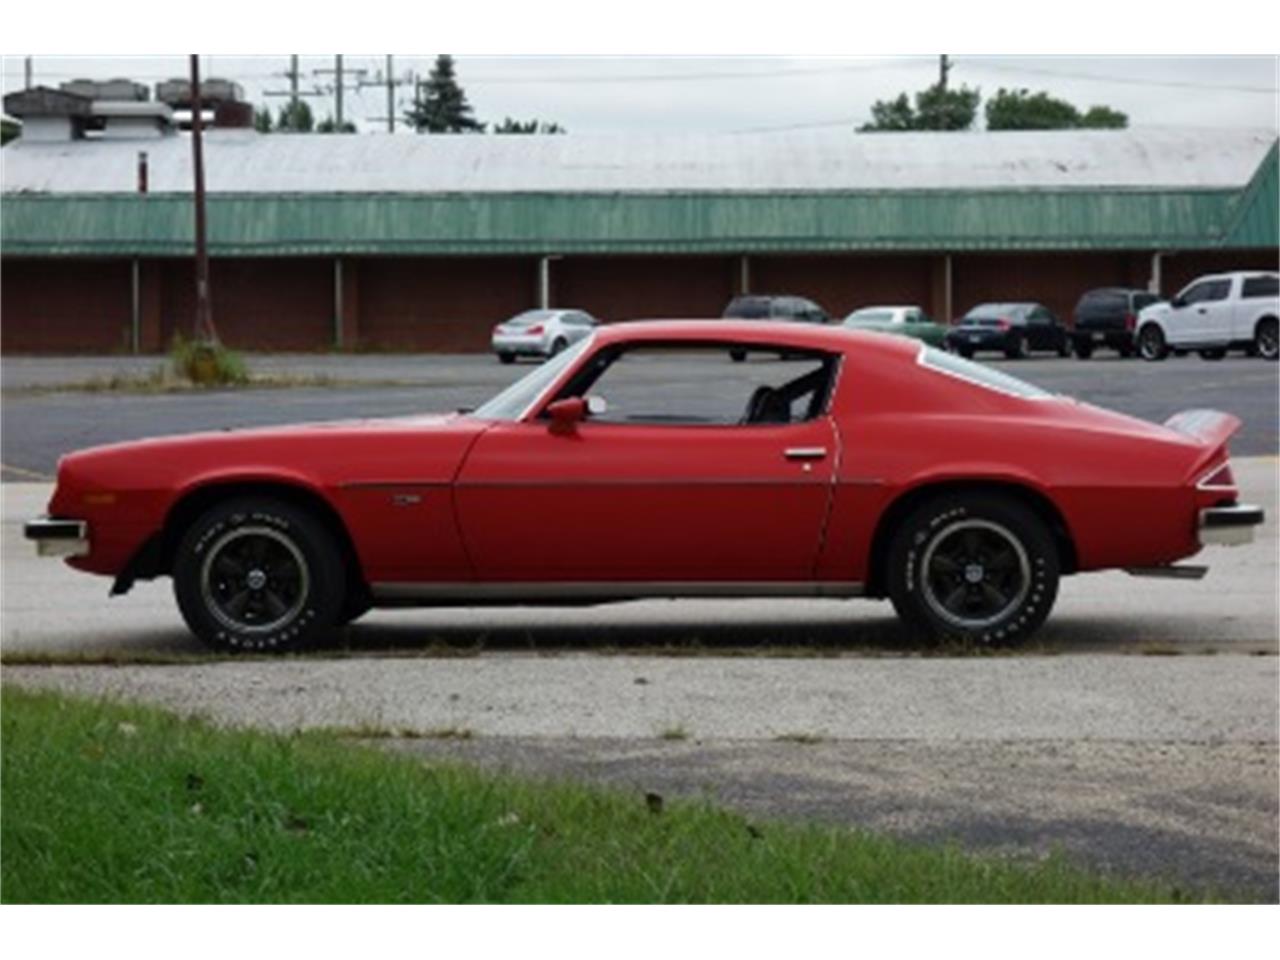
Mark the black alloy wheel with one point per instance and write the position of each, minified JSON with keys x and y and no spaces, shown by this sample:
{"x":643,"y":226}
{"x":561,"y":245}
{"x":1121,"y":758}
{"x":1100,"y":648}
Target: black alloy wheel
{"x":975,"y":568}
{"x":258,"y":575}
{"x":1151,"y":344}
{"x":1266,"y":339}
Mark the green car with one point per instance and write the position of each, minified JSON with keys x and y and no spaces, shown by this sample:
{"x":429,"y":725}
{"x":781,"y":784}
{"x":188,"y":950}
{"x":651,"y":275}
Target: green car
{"x":907,"y":321}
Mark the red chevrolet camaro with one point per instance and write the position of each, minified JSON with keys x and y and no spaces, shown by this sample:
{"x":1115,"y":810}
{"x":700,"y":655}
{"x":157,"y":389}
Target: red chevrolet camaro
{"x":643,"y":462}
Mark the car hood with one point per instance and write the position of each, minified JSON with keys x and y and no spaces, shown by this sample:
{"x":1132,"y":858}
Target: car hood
{"x":413,"y":449}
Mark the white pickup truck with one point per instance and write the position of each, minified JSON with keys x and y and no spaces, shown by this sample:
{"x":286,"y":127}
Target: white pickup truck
{"x":1213,"y":314}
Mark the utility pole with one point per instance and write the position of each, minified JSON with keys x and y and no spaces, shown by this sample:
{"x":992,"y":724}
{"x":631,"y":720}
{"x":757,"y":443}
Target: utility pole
{"x":339,"y":84}
{"x":204,"y":316}
{"x":944,"y":67}
{"x":294,"y":94}
{"x":391,"y":98}
{"x":26,"y":73}
{"x":337,"y":69}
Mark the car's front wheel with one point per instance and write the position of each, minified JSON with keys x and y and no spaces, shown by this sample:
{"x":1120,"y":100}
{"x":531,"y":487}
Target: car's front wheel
{"x":258,"y":575}
{"x":506,"y":358}
{"x":1151,"y":343}
{"x":973,"y":568}
{"x":1017,"y":348}
{"x":1084,"y":349}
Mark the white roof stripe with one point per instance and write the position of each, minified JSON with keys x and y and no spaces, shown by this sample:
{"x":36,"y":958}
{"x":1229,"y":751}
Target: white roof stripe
{"x":245,"y":162}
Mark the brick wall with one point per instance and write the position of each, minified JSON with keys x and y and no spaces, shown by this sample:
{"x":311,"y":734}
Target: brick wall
{"x":65,"y":306}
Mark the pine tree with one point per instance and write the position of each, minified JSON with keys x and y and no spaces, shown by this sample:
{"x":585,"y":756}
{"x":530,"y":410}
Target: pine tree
{"x":444,"y":108}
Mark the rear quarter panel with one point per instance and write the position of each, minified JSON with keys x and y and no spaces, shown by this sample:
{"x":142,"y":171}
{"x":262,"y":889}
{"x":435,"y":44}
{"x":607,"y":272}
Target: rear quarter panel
{"x":1122,"y":486}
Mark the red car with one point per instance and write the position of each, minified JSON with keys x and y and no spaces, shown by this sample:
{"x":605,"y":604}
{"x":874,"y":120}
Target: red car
{"x":838,"y":464}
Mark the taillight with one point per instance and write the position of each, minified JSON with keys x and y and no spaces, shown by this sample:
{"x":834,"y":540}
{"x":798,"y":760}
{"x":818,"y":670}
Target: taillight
{"x":1130,"y":322}
{"x":1219,"y":478}
{"x":534,"y":331}
{"x":1004,"y":324}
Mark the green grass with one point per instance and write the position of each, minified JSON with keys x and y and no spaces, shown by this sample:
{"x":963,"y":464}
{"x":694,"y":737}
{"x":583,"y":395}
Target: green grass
{"x":108,"y":803}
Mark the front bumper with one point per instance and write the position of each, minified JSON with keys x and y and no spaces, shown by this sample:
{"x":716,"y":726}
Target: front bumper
{"x":1229,"y":526}
{"x":58,"y":538}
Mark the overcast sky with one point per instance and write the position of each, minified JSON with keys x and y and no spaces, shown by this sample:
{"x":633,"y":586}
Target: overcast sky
{"x":728,"y":94}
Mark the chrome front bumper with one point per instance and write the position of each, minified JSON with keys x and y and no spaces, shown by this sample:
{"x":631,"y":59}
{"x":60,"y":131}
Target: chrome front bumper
{"x":58,"y":538}
{"x":1229,"y":526}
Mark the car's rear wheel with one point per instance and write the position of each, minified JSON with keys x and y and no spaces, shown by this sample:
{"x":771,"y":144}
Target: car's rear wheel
{"x":966,"y":352}
{"x":1266,"y":339}
{"x":558,"y":345}
{"x":1084,"y":349}
{"x":1017,"y":348}
{"x":1151,"y":344}
{"x":737,"y":356}
{"x":506,"y":358}
{"x":1125,"y":351}
{"x":973,"y":568}
{"x":258,"y":575}
{"x":1212,"y":354}
{"x":1064,"y":347}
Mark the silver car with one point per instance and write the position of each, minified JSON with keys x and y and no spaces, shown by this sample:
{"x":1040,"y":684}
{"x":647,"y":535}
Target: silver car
{"x":540,"y":333}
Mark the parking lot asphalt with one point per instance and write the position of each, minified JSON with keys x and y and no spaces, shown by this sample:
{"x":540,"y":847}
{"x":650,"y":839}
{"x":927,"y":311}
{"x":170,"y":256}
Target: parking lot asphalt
{"x":38,"y":427}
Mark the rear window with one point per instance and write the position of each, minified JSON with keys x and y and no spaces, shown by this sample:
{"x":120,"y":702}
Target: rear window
{"x":1141,"y":300}
{"x":1103,"y":301}
{"x":980,"y":375}
{"x":1260,"y":287}
{"x":870,"y":316}
{"x":748,"y":308}
{"x":530,"y":317}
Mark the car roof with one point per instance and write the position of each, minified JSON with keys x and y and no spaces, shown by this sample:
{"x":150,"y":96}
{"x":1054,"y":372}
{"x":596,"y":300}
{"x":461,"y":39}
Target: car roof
{"x":1007,"y":305}
{"x":895,"y":306}
{"x":829,"y":337}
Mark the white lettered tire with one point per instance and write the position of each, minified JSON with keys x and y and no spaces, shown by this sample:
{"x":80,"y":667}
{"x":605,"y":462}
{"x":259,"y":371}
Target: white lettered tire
{"x":973,"y":568}
{"x":258,"y":575}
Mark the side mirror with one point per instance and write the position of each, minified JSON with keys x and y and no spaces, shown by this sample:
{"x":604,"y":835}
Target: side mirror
{"x":1177,"y":302}
{"x":565,"y":413}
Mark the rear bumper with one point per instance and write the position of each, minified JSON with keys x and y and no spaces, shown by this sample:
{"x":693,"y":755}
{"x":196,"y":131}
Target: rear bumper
{"x":524,"y":346}
{"x":1230,"y":526}
{"x":58,"y":538}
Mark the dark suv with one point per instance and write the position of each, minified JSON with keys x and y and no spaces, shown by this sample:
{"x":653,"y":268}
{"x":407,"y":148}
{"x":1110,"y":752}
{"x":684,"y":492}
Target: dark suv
{"x":768,"y":307}
{"x":1108,"y":318}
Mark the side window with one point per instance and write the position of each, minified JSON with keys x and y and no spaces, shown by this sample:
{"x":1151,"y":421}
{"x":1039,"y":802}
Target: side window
{"x":1263,"y":286}
{"x":682,"y":384}
{"x":1040,"y":317}
{"x":1207,"y":291}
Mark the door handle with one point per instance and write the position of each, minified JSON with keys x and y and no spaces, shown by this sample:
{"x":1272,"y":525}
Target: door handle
{"x":805,"y":453}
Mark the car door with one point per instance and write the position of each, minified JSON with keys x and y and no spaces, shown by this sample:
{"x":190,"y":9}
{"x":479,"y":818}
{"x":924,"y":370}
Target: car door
{"x":1191,"y":317}
{"x":648,"y":501}
{"x":1041,"y":334}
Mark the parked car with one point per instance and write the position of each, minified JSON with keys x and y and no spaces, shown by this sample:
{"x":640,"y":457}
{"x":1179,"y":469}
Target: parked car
{"x":1215,"y":314}
{"x":1108,"y":317}
{"x":1015,"y":329}
{"x":773,"y":307}
{"x":970,"y":492}
{"x":906,"y":321}
{"x":540,"y":333}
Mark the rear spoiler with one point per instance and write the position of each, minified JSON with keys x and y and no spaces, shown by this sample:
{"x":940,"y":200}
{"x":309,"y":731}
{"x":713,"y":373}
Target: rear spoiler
{"x":1208,"y":427}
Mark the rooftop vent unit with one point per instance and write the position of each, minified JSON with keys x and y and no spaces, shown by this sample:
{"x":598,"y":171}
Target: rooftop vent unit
{"x":213,"y":91}
{"x":119,"y":89}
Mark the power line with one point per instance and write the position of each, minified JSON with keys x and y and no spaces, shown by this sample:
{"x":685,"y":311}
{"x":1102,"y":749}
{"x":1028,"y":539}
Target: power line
{"x":681,"y":77}
{"x":1131,"y":81}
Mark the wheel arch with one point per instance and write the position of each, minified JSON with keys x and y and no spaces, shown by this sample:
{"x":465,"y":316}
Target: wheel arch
{"x":1263,"y":319}
{"x":909,"y":500}
{"x":156,"y":556}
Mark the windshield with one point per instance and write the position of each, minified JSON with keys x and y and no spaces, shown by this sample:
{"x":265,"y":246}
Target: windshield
{"x":513,"y":402}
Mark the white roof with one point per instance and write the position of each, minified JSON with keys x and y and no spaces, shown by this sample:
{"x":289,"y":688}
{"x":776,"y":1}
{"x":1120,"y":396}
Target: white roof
{"x":242,"y":161}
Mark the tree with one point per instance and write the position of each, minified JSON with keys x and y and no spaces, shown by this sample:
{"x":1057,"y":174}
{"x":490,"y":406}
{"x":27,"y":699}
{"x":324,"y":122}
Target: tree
{"x":295,"y":117}
{"x":1104,"y":118}
{"x":444,"y":109}
{"x":330,"y":125}
{"x":508,"y":125}
{"x":9,"y":130}
{"x":262,"y":120}
{"x":936,"y":108}
{"x":1023,"y":110}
